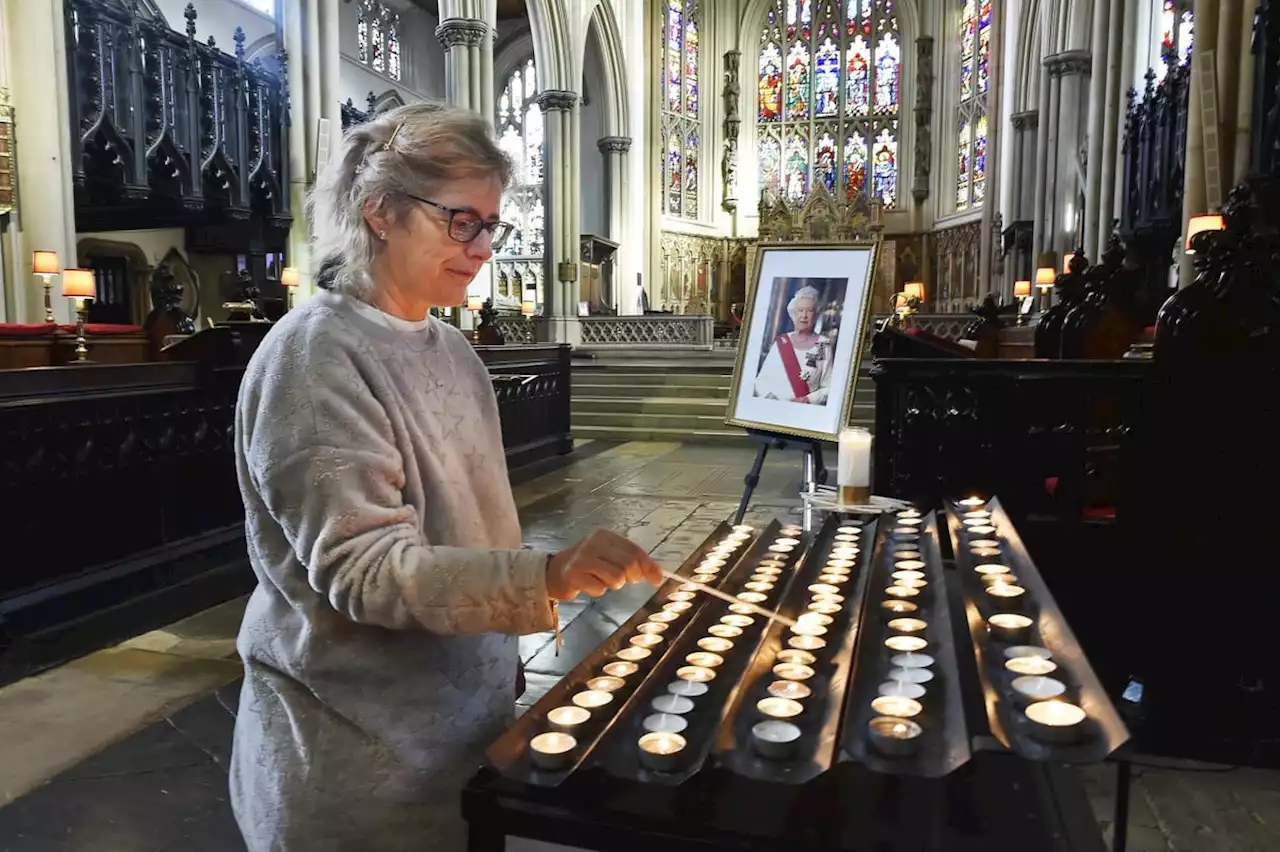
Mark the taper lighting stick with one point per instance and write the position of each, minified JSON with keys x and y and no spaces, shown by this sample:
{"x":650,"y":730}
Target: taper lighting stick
{"x":716,"y":593}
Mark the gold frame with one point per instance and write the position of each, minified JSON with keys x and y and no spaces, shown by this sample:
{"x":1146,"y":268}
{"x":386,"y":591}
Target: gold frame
{"x":846,"y":405}
{"x":8,"y":171}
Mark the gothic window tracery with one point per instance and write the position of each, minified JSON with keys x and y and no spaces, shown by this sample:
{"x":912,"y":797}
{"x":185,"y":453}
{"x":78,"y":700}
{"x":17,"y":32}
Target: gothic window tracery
{"x":1177,"y":34}
{"x":681,"y":127}
{"x":971,"y":114}
{"x":829,"y":97}
{"x":520,"y":134}
{"x":378,"y":38}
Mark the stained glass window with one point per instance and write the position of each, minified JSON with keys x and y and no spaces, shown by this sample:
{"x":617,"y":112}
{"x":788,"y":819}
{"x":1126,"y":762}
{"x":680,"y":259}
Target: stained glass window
{"x":378,"y":38}
{"x":520,"y":135}
{"x":1177,"y":32}
{"x":971,"y":117}
{"x":830,"y":92}
{"x":681,"y":127}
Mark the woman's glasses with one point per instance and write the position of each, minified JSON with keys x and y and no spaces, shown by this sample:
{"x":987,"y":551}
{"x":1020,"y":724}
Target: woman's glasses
{"x":465,"y":225}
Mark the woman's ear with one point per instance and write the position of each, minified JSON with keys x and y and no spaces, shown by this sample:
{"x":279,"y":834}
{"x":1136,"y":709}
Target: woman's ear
{"x":376,"y":218}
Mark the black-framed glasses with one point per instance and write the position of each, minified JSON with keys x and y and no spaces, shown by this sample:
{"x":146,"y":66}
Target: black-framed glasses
{"x":466,"y":225}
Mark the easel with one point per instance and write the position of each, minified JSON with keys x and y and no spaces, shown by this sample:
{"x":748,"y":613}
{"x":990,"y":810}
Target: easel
{"x":815,"y":472}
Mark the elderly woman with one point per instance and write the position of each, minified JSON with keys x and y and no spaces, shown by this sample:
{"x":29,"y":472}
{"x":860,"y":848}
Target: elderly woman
{"x":379,"y":646}
{"x":798,"y":366}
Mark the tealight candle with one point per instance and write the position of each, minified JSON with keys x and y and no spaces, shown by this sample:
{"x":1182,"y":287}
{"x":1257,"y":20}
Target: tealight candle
{"x":824,"y":589}
{"x":704,"y":579}
{"x":807,"y":643}
{"x":704,"y":658}
{"x":743,"y":528}
{"x":894,"y":608}
{"x":567,"y":718}
{"x":824,"y":608}
{"x":645,"y":640}
{"x":978,"y":513}
{"x":714,"y":644}
{"x":742,"y":608}
{"x":844,"y":552}
{"x":911,"y":660}
{"x":681,"y":596}
{"x":992,"y":579}
{"x":899,"y":591}
{"x":905,"y":643}
{"x":906,"y":534}
{"x":1006,"y":593}
{"x":909,"y":521}
{"x":828,"y":597}
{"x":840,"y":563}
{"x":901,"y":689}
{"x":1027,"y":651}
{"x":909,"y":513}
{"x":792,"y":689}
{"x":975,"y":522}
{"x":896,"y":705}
{"x":633,"y":654}
{"x":1055,"y":721}
{"x":620,"y":669}
{"x":1038,"y":687}
{"x":671,"y":703}
{"x":759,"y":585}
{"x":551,"y":750}
{"x":781,"y":548}
{"x":664,"y":617}
{"x":919,"y":674}
{"x":973,"y":501}
{"x":771,"y":565}
{"x":724,"y":631}
{"x":778,"y":559}
{"x":911,"y":584}
{"x":801,"y":628}
{"x":894,"y":737}
{"x":779,"y":708}
{"x":701,"y":674}
{"x":763,"y":578}
{"x":814,"y":618}
{"x":687,"y":688}
{"x":660,"y":750}
{"x":714,"y":561}
{"x":981,"y":531}
{"x":688,"y":587}
{"x":738,"y":536}
{"x":849,"y":528}
{"x":774,"y":738}
{"x":983,"y":542}
{"x":833,"y":579}
{"x":677,"y":606}
{"x":668,"y":722}
{"x":908,"y":565}
{"x":737,"y":620}
{"x":793,"y":671}
{"x":791,"y":541}
{"x":1009,"y":626}
{"x":607,"y":683}
{"x":752,"y":597}
{"x":592,"y":698}
{"x":1030,"y":665}
{"x":984,"y":552}
{"x":991,"y":568}
{"x":908,"y":625}
{"x":652,"y":627}
{"x":791,"y":530}
{"x":907,"y":575}
{"x":794,"y":655}
{"x":903,"y":555}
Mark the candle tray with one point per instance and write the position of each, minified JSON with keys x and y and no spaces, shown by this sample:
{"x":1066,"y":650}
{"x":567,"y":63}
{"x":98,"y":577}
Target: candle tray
{"x":1102,"y":731}
{"x":816,"y":749}
{"x":944,"y":741}
{"x":509,"y":753}
{"x":618,"y":752}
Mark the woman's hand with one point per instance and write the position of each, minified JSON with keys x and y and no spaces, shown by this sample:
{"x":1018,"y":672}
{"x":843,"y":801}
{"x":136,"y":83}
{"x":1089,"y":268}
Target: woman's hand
{"x":597,"y":563}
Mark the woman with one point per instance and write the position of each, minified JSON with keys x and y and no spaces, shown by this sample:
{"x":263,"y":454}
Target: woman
{"x":379,"y":646}
{"x":798,"y":366}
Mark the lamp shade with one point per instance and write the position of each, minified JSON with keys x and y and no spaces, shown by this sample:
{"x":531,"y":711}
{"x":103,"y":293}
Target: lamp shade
{"x":527,"y":308}
{"x":1045,"y":276}
{"x":289,"y":276}
{"x":1022,"y":288}
{"x":78,"y":283}
{"x":45,"y":263}
{"x":1066,"y":261}
{"x":1208,"y":222}
{"x":474,"y":303}
{"x":913,"y":290}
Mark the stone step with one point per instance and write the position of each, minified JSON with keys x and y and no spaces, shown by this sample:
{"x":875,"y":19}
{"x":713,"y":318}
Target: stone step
{"x":595,"y":387}
{"x":652,"y":368}
{"x":723,"y":436}
{"x":677,"y":407}
{"x":662,"y":378}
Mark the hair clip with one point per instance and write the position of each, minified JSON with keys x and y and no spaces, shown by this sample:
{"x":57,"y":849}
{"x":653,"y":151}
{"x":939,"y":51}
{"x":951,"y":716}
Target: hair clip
{"x":387,"y":145}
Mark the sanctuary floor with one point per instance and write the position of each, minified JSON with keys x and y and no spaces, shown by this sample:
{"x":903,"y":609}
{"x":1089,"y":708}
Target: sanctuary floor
{"x":126,"y":749}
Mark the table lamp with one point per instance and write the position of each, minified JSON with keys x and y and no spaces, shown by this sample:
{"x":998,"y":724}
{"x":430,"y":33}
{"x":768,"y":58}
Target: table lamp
{"x":1207,"y":222}
{"x":1046,"y":275}
{"x":527,"y":308}
{"x":289,"y":280}
{"x":45,"y":265}
{"x":78,"y":284}
{"x":1021,"y":292}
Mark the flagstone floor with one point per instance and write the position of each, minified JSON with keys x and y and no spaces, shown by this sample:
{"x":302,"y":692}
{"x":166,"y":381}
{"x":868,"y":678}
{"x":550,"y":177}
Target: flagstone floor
{"x":126,"y":749}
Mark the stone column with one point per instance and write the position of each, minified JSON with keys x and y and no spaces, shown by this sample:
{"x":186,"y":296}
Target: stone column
{"x":35,"y":31}
{"x":1098,"y":80}
{"x":1194,"y":191}
{"x":462,"y":39}
{"x":1111,"y":122}
{"x":1066,"y":102}
{"x":614,"y":149}
{"x":562,"y":253}
{"x":1040,"y":238}
{"x":1229,"y":82}
{"x":300,"y":161}
{"x":1244,"y":102}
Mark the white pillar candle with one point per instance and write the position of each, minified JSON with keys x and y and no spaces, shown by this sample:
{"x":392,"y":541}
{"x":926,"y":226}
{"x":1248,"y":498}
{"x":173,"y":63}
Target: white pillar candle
{"x":854,"y":467}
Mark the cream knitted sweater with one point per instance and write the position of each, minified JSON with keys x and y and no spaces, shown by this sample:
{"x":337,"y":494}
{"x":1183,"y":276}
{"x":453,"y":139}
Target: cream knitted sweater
{"x":379,"y":646}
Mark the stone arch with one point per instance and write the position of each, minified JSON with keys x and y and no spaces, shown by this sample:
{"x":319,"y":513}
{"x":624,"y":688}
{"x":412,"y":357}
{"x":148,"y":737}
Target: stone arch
{"x":549,"y":28}
{"x":1026,"y":83}
{"x":613,"y":91}
{"x":266,"y":46}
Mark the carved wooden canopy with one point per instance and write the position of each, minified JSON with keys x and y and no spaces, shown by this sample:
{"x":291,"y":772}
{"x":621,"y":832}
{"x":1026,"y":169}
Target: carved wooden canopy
{"x":822,"y":218}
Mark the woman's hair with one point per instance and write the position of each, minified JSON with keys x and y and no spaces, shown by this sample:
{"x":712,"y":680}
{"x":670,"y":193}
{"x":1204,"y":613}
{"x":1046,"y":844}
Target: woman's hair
{"x":415,"y":149}
{"x":805,"y":292}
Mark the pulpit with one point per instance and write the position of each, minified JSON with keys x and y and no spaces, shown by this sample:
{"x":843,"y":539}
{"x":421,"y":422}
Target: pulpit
{"x":597,"y":274}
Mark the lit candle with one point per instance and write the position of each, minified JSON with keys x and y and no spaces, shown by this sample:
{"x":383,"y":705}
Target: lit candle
{"x":767,"y":571}
{"x":824,"y":589}
{"x":840,"y":563}
{"x":790,"y":529}
{"x":704,"y":658}
{"x":688,"y":688}
{"x":978,"y":513}
{"x":909,"y":565}
{"x":714,"y":644}
{"x":846,"y":538}
{"x":620,"y":668}
{"x":759,"y":586}
{"x":901,"y":689}
{"x":992,"y":579}
{"x":844,"y":552}
{"x":984,"y":542}
{"x":793,"y":671}
{"x":909,"y":513}
{"x":900,"y":591}
{"x":905,"y":643}
{"x":908,"y":625}
{"x":896,"y":705}
{"x":645,"y":640}
{"x":910,"y":522}
{"x":736,"y":620}
{"x":752,"y":597}
{"x":779,"y":708}
{"x":828,"y":597}
{"x":781,"y":548}
{"x":975,"y":522}
{"x":1027,"y":651}
{"x":671,"y":703}
{"x":973,"y":501}
{"x":854,"y":466}
{"x":1030,"y":665}
{"x":742,"y":608}
{"x":1038,"y":687}
{"x":668,"y":722}
{"x":981,"y":531}
{"x":833,"y":579}
{"x":1009,"y":626}
{"x":592,"y":698}
{"x":1006,"y":593}
{"x":743,"y":528}
{"x":660,"y":750}
{"x":793,"y":655}
{"x":688,"y":587}
{"x":911,"y":660}
{"x":792,"y":689}
{"x":664,"y":617}
{"x":911,"y":584}
{"x":701,"y":674}
{"x":894,"y":737}
{"x":763,"y":578}
{"x":774,"y":562}
{"x":906,"y":554}
{"x":632,"y":655}
{"x":774,"y":737}
{"x":681,"y":596}
{"x":606,"y":683}
{"x":919,"y":674}
{"x":567,"y":718}
{"x":849,"y":529}
{"x":801,"y":628}
{"x":677,"y":606}
{"x":551,"y":750}
{"x":1055,"y":721}
{"x":984,"y":552}
{"x":724,"y":631}
{"x":784,"y":540}
{"x":894,"y":608}
{"x":706,"y":578}
{"x":907,"y":575}
{"x":991,"y":568}
{"x":807,"y":643}
{"x":713,"y":562}
{"x":814,"y":618}
{"x":824,"y":608}
{"x":652,"y":627}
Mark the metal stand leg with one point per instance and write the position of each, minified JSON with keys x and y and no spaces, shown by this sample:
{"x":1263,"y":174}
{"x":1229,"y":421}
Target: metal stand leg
{"x":1120,"y":841}
{"x":752,"y":480}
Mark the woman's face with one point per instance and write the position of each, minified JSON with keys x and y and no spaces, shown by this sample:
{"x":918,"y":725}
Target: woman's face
{"x":804,"y":315}
{"x":423,"y":260}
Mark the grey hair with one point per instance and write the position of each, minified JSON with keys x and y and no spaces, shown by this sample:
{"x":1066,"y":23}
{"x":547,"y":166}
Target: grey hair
{"x":416,"y":149}
{"x":805,"y":292}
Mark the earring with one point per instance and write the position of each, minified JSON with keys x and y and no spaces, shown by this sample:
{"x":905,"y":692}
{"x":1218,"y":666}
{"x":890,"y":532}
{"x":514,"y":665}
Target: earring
{"x":382,"y":235}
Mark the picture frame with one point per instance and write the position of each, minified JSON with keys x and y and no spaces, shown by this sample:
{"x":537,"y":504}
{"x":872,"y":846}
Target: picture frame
{"x":803,"y":334}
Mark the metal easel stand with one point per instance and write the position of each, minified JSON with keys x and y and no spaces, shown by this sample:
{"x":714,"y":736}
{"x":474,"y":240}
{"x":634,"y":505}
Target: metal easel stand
{"x":815,"y":472}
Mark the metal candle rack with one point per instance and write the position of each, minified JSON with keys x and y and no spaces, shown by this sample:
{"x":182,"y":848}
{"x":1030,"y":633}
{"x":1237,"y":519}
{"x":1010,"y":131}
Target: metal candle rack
{"x":814,"y":751}
{"x":942,"y":744}
{"x":509,"y":754}
{"x":618,"y":751}
{"x":998,"y":543}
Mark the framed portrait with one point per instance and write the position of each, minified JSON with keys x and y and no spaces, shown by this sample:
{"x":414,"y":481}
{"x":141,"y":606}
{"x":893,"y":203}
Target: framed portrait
{"x":802,"y":339}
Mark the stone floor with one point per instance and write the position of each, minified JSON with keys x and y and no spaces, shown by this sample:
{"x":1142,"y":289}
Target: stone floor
{"x":126,"y":749}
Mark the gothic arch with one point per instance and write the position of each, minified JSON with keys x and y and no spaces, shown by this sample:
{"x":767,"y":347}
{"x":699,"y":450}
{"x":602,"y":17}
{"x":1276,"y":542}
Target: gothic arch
{"x":263,"y":47}
{"x":549,"y":26}
{"x":613,"y":92}
{"x":1026,"y":83}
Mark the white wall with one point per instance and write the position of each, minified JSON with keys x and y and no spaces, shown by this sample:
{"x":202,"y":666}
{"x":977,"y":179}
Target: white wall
{"x":421,"y":59}
{"x":219,"y":18}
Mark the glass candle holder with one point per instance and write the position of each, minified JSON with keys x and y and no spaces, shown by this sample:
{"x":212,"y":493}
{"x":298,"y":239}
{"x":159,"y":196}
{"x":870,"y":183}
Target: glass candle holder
{"x":1010,"y":627}
{"x":1031,"y":665}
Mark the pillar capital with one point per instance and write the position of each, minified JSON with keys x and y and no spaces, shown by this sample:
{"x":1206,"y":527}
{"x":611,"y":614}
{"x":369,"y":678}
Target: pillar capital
{"x":1027,"y":120}
{"x":614,"y":144}
{"x":467,"y":32}
{"x":556,"y":99}
{"x":1069,"y":63}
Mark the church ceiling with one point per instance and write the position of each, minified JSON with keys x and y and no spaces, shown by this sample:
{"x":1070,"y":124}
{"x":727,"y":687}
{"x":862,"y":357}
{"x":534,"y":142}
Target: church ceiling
{"x":506,"y":8}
